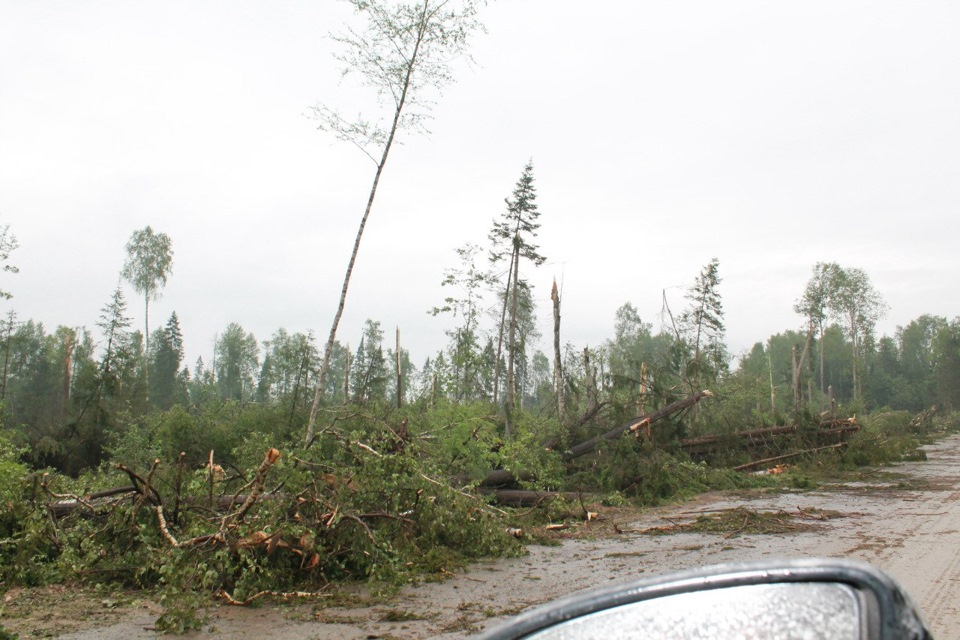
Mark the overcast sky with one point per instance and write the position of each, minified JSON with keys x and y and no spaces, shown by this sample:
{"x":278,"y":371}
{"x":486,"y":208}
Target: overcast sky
{"x":771,"y":135}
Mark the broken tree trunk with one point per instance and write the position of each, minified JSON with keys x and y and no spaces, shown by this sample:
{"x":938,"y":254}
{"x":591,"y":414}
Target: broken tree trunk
{"x":399,"y":374}
{"x":590,"y":445}
{"x":557,"y":363}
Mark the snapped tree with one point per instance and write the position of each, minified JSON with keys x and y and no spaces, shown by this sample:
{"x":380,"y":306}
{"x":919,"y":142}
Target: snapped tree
{"x":402,"y":52}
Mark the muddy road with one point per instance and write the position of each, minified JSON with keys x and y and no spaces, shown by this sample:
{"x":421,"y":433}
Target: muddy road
{"x":903,"y":519}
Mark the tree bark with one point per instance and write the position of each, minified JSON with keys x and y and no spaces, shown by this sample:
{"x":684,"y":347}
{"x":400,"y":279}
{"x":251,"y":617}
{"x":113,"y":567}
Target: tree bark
{"x":853,"y":340}
{"x":823,"y":387}
{"x":798,"y":368}
{"x":146,"y":344}
{"x":773,"y":389}
{"x":6,"y":355}
{"x":399,"y":374}
{"x":557,"y":363}
{"x":590,"y":383}
{"x":503,"y":322}
{"x":346,"y":374}
{"x":795,"y":370}
{"x":511,"y":399}
{"x":67,"y":373}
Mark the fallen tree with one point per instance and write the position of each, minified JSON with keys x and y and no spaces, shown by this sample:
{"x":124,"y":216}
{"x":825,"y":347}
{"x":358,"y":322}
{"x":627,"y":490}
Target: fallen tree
{"x":753,"y":438}
{"x":759,"y":463}
{"x":503,"y":478}
{"x":528,"y":498}
{"x":642,"y":422}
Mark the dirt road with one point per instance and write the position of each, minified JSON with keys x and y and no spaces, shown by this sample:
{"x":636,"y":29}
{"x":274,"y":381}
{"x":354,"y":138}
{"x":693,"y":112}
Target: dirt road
{"x":905,"y":520}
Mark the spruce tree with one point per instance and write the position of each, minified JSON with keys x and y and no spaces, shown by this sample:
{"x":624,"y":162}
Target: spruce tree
{"x":512,"y":237}
{"x":703,"y":328}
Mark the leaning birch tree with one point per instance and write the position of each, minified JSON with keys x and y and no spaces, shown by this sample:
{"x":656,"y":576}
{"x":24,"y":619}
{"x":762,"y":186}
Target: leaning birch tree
{"x":405,"y":53}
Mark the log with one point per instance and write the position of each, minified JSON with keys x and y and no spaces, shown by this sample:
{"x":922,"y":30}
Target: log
{"x":63,"y":508}
{"x":590,"y":445}
{"x":757,"y":463}
{"x":529,"y":498}
{"x":493,"y":479}
{"x":752,"y":434}
{"x":701,"y":444}
{"x":839,"y":431}
{"x":66,"y":507}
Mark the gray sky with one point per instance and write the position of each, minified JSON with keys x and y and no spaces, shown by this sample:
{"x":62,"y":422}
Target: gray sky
{"x":771,"y":135}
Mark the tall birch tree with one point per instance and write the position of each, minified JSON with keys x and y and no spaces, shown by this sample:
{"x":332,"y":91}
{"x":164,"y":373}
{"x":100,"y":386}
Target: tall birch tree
{"x":854,"y":301}
{"x":814,"y":305}
{"x":404,"y":52}
{"x":149,"y":262}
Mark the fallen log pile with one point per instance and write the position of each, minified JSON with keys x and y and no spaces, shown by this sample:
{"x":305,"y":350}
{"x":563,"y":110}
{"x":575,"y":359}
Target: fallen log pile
{"x":501,"y":484}
{"x":635,"y":426}
{"x":641,"y":425}
{"x":828,"y":432}
{"x":789,"y":456}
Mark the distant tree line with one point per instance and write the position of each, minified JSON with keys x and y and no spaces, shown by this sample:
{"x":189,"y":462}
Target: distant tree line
{"x":70,"y":391}
{"x":72,"y":394}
